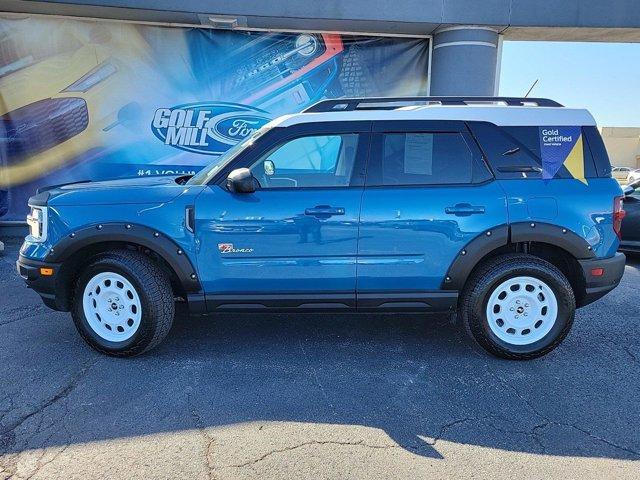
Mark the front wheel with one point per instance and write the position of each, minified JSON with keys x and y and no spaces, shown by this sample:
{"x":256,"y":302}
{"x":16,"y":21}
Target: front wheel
{"x":518,"y":306}
{"x":123,"y":304}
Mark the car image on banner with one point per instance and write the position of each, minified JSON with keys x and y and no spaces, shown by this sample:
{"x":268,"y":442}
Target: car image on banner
{"x":79,"y":100}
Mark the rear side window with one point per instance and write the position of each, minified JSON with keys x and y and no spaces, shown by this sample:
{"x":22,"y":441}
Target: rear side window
{"x":598,"y":151}
{"x":423,"y":158}
{"x":535,"y":151}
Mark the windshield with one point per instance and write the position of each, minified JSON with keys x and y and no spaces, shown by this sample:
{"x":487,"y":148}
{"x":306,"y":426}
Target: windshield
{"x":205,"y":175}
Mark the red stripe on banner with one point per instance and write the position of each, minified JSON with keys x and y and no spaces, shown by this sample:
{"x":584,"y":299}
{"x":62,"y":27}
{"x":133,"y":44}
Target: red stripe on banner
{"x":334,"y":46}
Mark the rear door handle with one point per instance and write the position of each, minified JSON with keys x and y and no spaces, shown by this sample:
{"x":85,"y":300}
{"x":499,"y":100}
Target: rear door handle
{"x":464,"y":209}
{"x":324,"y":211}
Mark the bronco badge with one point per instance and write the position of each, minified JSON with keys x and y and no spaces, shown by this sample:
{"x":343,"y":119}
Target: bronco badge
{"x":229,"y":248}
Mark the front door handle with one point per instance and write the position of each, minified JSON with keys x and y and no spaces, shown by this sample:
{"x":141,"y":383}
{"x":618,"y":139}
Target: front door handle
{"x":324,"y":211}
{"x":464,"y":209}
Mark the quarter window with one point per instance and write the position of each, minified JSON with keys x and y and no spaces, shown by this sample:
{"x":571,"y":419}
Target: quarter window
{"x":314,"y":161}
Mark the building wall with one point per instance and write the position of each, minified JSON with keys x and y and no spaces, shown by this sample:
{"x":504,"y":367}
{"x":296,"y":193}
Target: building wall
{"x":575,"y":20}
{"x":623,"y":145}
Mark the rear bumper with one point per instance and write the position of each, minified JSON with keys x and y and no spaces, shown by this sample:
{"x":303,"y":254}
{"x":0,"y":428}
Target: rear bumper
{"x":598,"y":286}
{"x":48,"y":287}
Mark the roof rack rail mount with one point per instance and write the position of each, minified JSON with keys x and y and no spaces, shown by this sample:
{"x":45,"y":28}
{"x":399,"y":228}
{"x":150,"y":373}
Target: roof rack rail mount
{"x":385,"y":103}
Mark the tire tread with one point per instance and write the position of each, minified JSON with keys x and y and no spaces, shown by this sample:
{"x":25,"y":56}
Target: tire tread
{"x":494,"y":268}
{"x":157,"y":288}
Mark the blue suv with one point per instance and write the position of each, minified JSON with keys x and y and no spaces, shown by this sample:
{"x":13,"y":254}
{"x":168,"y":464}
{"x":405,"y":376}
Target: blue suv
{"x":501,"y":210}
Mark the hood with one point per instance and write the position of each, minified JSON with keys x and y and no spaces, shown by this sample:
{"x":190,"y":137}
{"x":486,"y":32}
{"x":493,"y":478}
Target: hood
{"x":137,"y":190}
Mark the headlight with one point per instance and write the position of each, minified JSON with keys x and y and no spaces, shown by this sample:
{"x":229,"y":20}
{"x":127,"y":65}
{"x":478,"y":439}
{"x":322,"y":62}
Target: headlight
{"x":92,"y":78}
{"x":37,"y":221}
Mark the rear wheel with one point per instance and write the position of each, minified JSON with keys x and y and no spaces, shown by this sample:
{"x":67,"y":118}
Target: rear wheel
{"x":517,"y":306}
{"x":123,"y":304}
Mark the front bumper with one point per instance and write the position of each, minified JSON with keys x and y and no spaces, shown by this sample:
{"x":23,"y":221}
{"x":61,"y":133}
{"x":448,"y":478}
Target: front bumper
{"x":50,"y":288}
{"x":598,"y":286}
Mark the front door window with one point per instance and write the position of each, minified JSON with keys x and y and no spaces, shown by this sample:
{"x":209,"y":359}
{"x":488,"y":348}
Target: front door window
{"x":307,"y":162}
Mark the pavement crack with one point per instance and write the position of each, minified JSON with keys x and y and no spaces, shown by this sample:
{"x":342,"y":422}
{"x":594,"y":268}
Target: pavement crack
{"x":550,"y":422}
{"x":13,"y":320}
{"x":208,"y":438}
{"x":40,"y":465}
{"x":22,"y":312}
{"x":7,"y":431}
{"x":601,"y":439}
{"x":315,"y":376}
{"x":631,"y":354}
{"x":359,"y":443}
{"x":447,"y":426}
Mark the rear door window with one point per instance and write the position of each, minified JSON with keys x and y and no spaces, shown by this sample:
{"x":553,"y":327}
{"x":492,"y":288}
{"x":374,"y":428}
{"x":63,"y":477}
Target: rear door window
{"x":423,"y":158}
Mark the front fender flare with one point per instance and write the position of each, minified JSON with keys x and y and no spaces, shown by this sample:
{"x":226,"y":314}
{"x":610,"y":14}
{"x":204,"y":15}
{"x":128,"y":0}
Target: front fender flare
{"x":132,"y":233}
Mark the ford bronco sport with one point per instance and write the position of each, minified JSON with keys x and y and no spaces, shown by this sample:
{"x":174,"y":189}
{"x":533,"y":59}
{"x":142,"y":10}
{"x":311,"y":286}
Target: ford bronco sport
{"x":502,"y":210}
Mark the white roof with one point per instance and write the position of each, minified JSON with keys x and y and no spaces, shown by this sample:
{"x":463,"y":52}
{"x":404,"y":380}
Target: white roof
{"x":502,"y":115}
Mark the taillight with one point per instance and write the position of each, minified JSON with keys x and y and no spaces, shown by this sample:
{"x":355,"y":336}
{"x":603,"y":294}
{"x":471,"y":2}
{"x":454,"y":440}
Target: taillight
{"x":618,"y":215}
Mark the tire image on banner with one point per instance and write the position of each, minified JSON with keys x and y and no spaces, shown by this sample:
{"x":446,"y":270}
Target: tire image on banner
{"x":97,"y":100}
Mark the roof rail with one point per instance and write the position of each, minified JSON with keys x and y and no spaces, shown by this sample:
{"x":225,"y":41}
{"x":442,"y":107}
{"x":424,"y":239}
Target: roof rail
{"x":387,"y":103}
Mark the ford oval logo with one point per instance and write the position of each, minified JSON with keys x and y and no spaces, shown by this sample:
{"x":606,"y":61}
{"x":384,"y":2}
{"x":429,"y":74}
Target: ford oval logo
{"x":209,"y":128}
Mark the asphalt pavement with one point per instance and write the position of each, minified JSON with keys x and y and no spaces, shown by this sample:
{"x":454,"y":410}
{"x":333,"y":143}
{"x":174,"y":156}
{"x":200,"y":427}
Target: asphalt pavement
{"x":317,"y":396}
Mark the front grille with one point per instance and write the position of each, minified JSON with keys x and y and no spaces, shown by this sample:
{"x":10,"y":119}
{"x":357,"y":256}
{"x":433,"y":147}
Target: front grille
{"x":41,"y":125}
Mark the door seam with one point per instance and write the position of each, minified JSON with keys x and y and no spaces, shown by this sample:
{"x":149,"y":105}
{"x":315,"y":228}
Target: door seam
{"x":364,"y":187}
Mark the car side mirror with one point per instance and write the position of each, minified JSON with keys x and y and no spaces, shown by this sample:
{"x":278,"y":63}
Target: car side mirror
{"x":269,"y":168}
{"x":241,"y":180}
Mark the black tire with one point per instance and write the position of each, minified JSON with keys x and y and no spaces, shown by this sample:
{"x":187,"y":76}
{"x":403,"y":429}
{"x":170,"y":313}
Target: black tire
{"x":156,"y":297}
{"x":487,"y":277}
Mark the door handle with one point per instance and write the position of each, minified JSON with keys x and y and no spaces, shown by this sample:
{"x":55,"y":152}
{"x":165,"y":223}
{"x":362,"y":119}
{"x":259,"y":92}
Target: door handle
{"x":464,"y":209}
{"x":324,"y":211}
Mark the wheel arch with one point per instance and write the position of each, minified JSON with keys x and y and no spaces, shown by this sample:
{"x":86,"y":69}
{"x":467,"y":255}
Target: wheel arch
{"x":80,"y":247}
{"x":558,"y":245}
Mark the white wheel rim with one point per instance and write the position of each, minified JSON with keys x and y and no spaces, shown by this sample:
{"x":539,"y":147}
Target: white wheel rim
{"x":522,"y":310}
{"x":112,"y":307}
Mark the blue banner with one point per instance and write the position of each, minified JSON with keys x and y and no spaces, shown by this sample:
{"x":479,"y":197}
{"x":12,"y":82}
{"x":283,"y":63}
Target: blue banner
{"x":95,"y":100}
{"x":562,"y":146}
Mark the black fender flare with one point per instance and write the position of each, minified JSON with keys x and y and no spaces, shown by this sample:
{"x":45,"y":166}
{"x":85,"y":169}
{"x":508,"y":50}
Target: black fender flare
{"x":554,"y":235}
{"x":132,"y":233}
{"x":480,"y":246}
{"x":472,"y":253}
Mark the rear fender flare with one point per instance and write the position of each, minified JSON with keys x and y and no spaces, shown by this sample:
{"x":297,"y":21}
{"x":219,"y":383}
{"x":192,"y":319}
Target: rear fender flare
{"x":472,"y":254}
{"x":555,"y":235}
{"x":478,"y":248}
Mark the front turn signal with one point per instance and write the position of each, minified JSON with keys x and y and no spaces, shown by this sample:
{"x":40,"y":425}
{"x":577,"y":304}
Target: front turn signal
{"x":46,"y":272}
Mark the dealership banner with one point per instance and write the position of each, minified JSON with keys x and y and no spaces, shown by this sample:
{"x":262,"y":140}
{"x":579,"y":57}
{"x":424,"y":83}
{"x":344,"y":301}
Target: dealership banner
{"x":562,"y":146}
{"x":96,"y":100}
